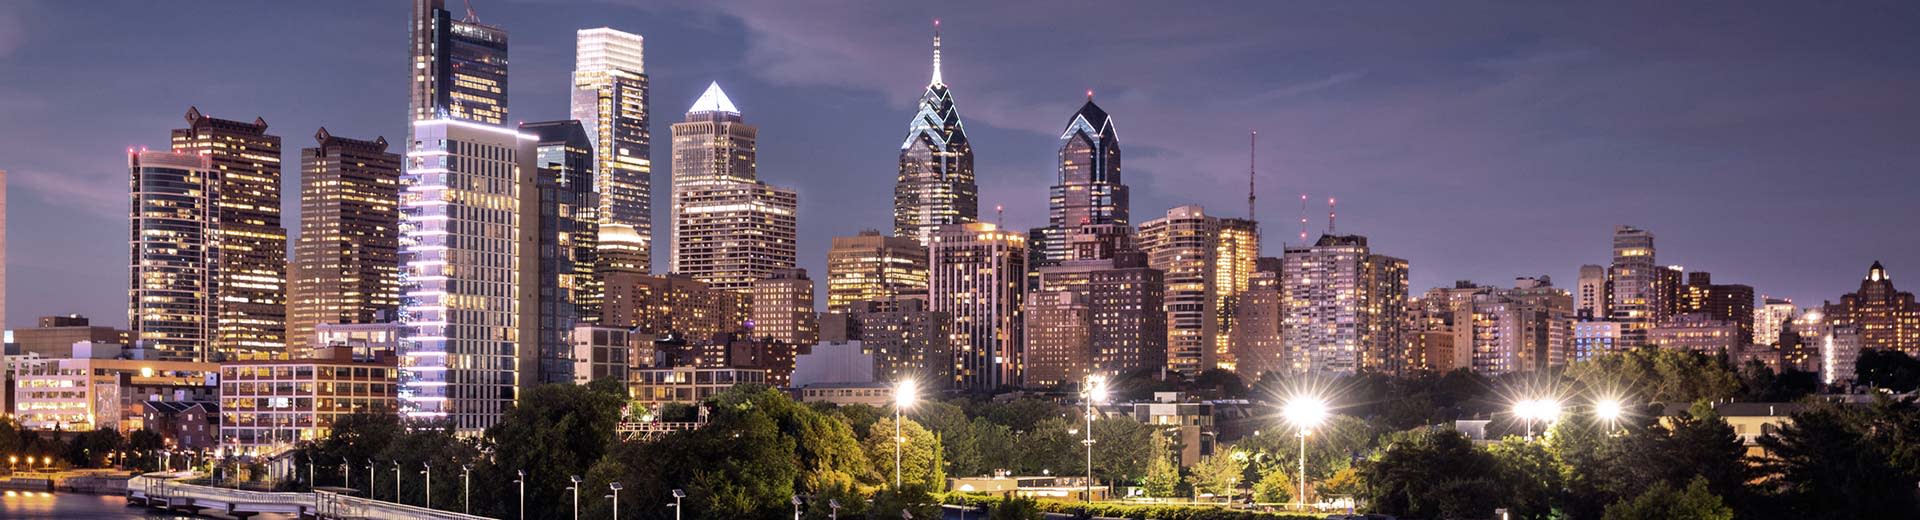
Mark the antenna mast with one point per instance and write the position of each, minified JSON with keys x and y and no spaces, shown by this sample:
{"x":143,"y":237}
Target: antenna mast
{"x":471,"y":16}
{"x":1329,"y":215}
{"x":1253,"y":150}
{"x":1303,"y":218}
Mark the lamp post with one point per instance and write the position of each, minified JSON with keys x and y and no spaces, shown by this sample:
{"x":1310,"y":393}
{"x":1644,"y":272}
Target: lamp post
{"x":677,"y":495}
{"x":427,"y":469}
{"x":796,"y":507}
{"x":466,"y":488}
{"x":902,"y":398}
{"x":616,"y":499}
{"x":1305,"y":413}
{"x":370,"y":480}
{"x":1096,"y":391}
{"x":396,"y":482}
{"x":346,"y":474}
{"x":833,"y":509}
{"x":522,"y":481}
{"x":575,"y":488}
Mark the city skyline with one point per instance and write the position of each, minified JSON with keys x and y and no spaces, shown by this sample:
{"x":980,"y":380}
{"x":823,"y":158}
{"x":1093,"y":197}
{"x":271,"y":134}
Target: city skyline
{"x":1723,"y":215}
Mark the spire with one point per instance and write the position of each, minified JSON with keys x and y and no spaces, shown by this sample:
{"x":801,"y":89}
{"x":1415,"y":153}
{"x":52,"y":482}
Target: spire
{"x":713,"y":100}
{"x":936,"y":55}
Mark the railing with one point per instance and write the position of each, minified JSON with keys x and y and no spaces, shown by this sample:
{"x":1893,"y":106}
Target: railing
{"x":646,"y":431}
{"x":325,"y":504}
{"x":337,"y":506}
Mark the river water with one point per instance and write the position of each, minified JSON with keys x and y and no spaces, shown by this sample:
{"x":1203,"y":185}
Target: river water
{"x":40,"y":505}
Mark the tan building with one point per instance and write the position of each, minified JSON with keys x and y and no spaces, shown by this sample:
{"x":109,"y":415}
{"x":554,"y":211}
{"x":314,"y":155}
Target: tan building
{"x":1258,"y":348}
{"x":346,"y":265}
{"x":1059,"y":349}
{"x":1112,"y":320}
{"x":871,"y":266}
{"x":729,"y":228}
{"x":1528,"y":328}
{"x":250,"y":284}
{"x":783,"y":308}
{"x":1344,"y":308}
{"x":601,"y":352}
{"x":977,"y":275}
{"x":653,"y":386}
{"x":907,"y":338}
{"x":1697,"y":332}
{"x":1888,"y":318}
{"x":661,"y":305}
{"x":56,"y":335}
{"x":283,"y":402}
{"x":94,"y":389}
{"x":1208,"y":261}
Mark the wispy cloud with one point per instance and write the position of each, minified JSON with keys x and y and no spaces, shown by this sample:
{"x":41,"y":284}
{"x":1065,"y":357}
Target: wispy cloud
{"x":96,"y":195}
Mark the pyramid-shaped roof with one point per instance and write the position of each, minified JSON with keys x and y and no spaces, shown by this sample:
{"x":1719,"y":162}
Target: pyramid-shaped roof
{"x":713,"y":100}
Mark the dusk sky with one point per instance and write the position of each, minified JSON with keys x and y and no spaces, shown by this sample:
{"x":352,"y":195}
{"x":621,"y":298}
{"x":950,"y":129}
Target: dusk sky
{"x":1773,"y":144}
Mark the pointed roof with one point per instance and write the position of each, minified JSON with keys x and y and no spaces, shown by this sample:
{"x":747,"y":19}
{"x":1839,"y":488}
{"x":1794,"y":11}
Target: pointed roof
{"x":714,"y":100}
{"x":1877,"y":273}
{"x":1097,"y":119}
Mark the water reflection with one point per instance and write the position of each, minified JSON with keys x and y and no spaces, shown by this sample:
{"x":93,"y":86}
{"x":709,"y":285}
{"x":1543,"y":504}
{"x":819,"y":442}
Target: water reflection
{"x":41,"y":505}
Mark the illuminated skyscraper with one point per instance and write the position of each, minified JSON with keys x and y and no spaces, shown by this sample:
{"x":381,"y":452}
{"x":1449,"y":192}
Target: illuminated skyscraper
{"x":468,"y":312}
{"x":610,"y":98}
{"x":567,"y":230}
{"x":729,"y":228}
{"x":1635,"y":299}
{"x":1257,"y":317}
{"x":783,"y":308}
{"x":1731,"y":303}
{"x":871,"y":266}
{"x":1768,"y":318}
{"x":346,"y":261}
{"x":977,"y":275}
{"x":936,"y":185}
{"x":1886,"y":318}
{"x":171,"y":268}
{"x":1208,"y":263}
{"x":1590,"y":297}
{"x":458,"y":68}
{"x":250,"y":281}
{"x":1100,"y":312}
{"x":1344,"y":307}
{"x":1089,"y":192}
{"x":1528,"y":328}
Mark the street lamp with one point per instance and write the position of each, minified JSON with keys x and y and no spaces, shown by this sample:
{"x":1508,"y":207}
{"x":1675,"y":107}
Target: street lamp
{"x":677,"y":495}
{"x":903,"y":396}
{"x":1530,"y":410}
{"x":1305,"y":413}
{"x":1610,"y":410}
{"x":370,"y":480}
{"x":796,"y":507}
{"x":575,"y":488}
{"x":427,"y":469}
{"x":1096,"y":391}
{"x":833,"y":505}
{"x":466,"y":488}
{"x":616,"y":499}
{"x":522,"y":481}
{"x":396,"y":482}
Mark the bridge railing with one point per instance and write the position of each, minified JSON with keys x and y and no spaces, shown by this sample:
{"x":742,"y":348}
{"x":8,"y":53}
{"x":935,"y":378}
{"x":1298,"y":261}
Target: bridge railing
{"x":337,"y":506}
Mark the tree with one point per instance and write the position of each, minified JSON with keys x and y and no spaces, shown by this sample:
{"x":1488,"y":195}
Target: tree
{"x":1827,"y":465}
{"x":1659,"y":375}
{"x":552,"y":432}
{"x":1219,"y":473}
{"x":145,"y":445}
{"x":921,"y":463}
{"x":1163,"y":475}
{"x":1889,"y":369}
{"x":1530,"y":474}
{"x":1697,"y":443}
{"x":957,"y":439}
{"x":1431,"y":474}
{"x":1664,"y":502}
{"x":1121,"y":448}
{"x":90,"y":449}
{"x":1276,"y":486}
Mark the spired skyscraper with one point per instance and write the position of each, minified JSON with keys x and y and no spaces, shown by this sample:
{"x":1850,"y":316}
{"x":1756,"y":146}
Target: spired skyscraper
{"x":1089,"y":192}
{"x":936,"y":185}
{"x":729,"y":228}
{"x":610,"y":98}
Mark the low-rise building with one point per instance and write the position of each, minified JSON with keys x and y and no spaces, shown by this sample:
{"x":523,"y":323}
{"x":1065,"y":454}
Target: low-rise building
{"x":188,"y":425}
{"x":1697,"y":332}
{"x":56,"y":335}
{"x":96,"y":388}
{"x":1189,"y":422}
{"x":878,"y":395}
{"x":1594,"y":338}
{"x":600,"y":352}
{"x":282,"y":402}
{"x":687,"y":384}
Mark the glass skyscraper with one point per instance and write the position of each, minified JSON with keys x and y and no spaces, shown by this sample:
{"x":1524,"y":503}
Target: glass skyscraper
{"x":610,"y":98}
{"x":568,"y":229}
{"x":936,"y":185}
{"x":458,"y":68}
{"x":1089,"y":192}
{"x":250,"y":282}
{"x":171,"y":265}
{"x":729,"y":228}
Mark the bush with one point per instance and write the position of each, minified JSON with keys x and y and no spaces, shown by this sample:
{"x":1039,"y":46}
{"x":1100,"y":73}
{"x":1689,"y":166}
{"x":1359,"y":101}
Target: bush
{"x":1130,"y":511}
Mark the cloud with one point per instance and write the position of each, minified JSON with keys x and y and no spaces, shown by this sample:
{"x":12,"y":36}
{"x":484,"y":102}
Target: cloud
{"x":93,"y":194}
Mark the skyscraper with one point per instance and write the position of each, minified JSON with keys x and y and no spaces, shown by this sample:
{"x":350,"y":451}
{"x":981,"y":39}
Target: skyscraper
{"x":1100,"y":312}
{"x":1089,"y":190}
{"x":1768,"y":318}
{"x":871,"y":266}
{"x":458,"y":67}
{"x":729,"y":228}
{"x":346,"y":261}
{"x":1258,"y":347}
{"x":1731,"y":303}
{"x":568,"y":229}
{"x":250,"y":281}
{"x":1344,"y":306}
{"x":1635,"y":300}
{"x":1887,"y":318}
{"x":610,"y":98}
{"x":468,"y":313}
{"x":977,"y":275}
{"x":783,"y":309}
{"x":935,"y":186}
{"x":1590,"y":297}
{"x":1208,"y":262}
{"x":172,"y":258}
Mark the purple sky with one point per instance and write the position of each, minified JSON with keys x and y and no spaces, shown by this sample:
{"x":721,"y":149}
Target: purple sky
{"x":1774,"y":144}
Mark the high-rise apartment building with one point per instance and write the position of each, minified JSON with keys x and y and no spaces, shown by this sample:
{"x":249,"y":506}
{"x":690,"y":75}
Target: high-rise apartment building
{"x":1732,"y":303}
{"x":457,"y":68}
{"x":1208,"y":262}
{"x":1100,"y":313}
{"x":610,"y":98}
{"x":977,"y":276}
{"x":1528,"y":328}
{"x":907,"y":339}
{"x":936,"y":185}
{"x":1767,"y":319}
{"x":567,"y":233}
{"x":672,"y":305}
{"x":1697,"y":332}
{"x":1089,"y":189}
{"x":467,"y":219}
{"x":1590,"y":296}
{"x":1440,"y":327}
{"x":1887,"y":318}
{"x":1344,"y":307}
{"x":346,"y":266}
{"x":729,"y":228}
{"x":250,"y":279}
{"x":1636,"y":299}
{"x":1594,"y":338}
{"x":783,"y":308}
{"x":871,"y":266}
{"x":172,"y":255}
{"x":1258,"y":348}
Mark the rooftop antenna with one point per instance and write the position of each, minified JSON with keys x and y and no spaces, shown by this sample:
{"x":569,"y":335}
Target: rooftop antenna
{"x":936,"y":53}
{"x":1329,"y":215}
{"x":1253,"y":145}
{"x":1303,"y":218}
{"x":999,"y":215}
{"x":471,"y":16}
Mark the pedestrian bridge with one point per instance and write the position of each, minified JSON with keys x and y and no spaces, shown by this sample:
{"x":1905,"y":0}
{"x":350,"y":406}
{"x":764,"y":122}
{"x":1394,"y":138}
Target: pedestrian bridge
{"x":165,"y":491}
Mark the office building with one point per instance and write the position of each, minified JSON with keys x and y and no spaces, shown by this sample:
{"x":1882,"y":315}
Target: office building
{"x":457,"y":68}
{"x":729,"y":228}
{"x":1207,"y":263}
{"x":1344,"y":307}
{"x":1099,"y":312}
{"x":1592,"y":339}
{"x":250,"y":278}
{"x":673,"y":305}
{"x":1591,"y":296}
{"x":1888,"y":318}
{"x":871,"y":266}
{"x":281,"y":403}
{"x":783,"y":308}
{"x":468,"y":216}
{"x":935,"y":186}
{"x":611,"y":99}
{"x":1635,"y":297}
{"x":56,"y":335}
{"x":1732,"y":303}
{"x":601,"y":352}
{"x":92,"y":389}
{"x":567,"y":229}
{"x":1089,"y":190}
{"x":1770,"y":316}
{"x":171,"y":307}
{"x":346,"y":266}
{"x":977,"y":275}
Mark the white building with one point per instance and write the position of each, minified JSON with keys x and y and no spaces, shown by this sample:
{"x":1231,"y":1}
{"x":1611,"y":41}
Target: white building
{"x":1345,"y":307}
{"x":601,"y":352}
{"x":1772,"y":314}
{"x":729,"y":228}
{"x":95,"y":389}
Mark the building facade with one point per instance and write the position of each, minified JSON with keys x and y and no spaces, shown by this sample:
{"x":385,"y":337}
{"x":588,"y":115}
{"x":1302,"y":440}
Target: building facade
{"x":55,"y":335}
{"x":783,"y":308}
{"x":95,"y":390}
{"x":729,"y":228}
{"x":1635,"y":299}
{"x":1732,"y":303}
{"x":1207,"y":263}
{"x":1591,"y":296}
{"x":1528,"y":328}
{"x":871,"y":266}
{"x":1089,"y":190}
{"x":567,"y":229}
{"x":1888,"y":318}
{"x":907,"y":338}
{"x":280,"y":403}
{"x":936,"y":185}
{"x":346,"y":265}
{"x":1099,"y":312}
{"x":457,"y":68}
{"x":1344,"y":307}
{"x":1697,"y":332}
{"x":174,"y":257}
{"x":1595,"y":338}
{"x":673,"y":305}
{"x":611,"y":99}
{"x":977,"y":276}
{"x":250,"y":281}
{"x":1257,"y":345}
{"x":601,"y":353}
{"x":1770,"y":316}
